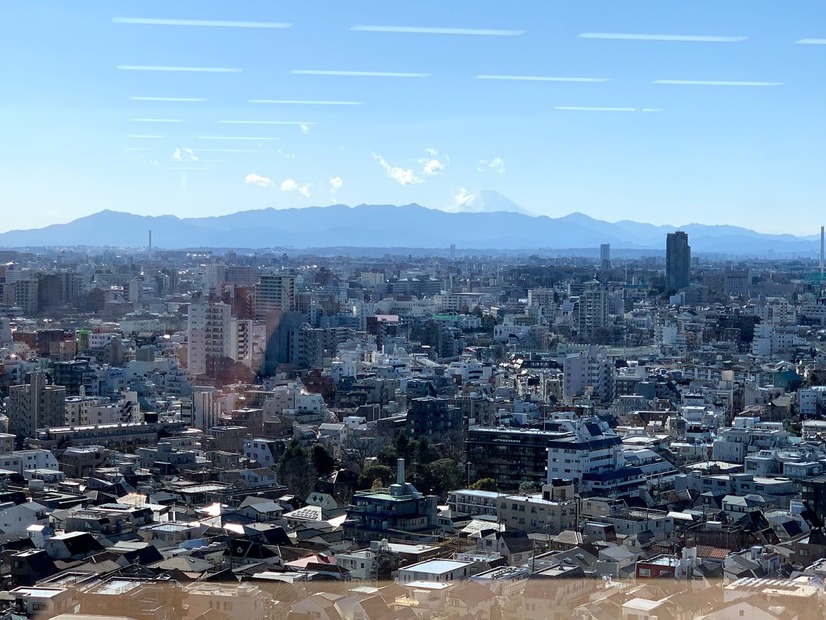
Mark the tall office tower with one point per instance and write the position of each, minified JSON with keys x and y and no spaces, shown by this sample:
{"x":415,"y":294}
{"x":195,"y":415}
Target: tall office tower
{"x":36,"y":405}
{"x":605,"y":255}
{"x":209,"y":335}
{"x":274,"y":293}
{"x":677,"y":261}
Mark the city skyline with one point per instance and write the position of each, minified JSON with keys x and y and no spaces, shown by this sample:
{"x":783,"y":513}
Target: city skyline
{"x":690,"y":113}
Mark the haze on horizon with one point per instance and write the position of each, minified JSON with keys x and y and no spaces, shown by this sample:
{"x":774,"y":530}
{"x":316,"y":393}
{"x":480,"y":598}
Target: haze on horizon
{"x":666,"y":114}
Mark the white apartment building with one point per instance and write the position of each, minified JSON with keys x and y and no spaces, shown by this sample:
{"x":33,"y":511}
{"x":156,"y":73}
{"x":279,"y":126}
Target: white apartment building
{"x":208,"y":335}
{"x":811,"y":399}
{"x":77,"y":408}
{"x":473,"y":502}
{"x":100,"y":340}
{"x":586,"y":446}
{"x":274,"y":293}
{"x":550,"y":512}
{"x":589,"y":372}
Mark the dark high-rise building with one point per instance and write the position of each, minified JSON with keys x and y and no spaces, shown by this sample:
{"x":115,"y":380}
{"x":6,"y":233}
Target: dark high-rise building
{"x":677,"y":261}
{"x":605,"y":255}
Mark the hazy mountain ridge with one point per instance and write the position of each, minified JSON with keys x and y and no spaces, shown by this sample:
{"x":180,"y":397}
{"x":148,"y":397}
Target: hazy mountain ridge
{"x":394,"y":226}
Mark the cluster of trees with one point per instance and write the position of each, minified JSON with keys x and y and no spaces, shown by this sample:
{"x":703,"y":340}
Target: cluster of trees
{"x":434,"y":469}
{"x":300,"y":467}
{"x":431,"y":468}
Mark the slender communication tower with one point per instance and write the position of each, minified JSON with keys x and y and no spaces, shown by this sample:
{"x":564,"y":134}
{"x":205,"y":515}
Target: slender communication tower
{"x":150,"y":243}
{"x":821,"y":251}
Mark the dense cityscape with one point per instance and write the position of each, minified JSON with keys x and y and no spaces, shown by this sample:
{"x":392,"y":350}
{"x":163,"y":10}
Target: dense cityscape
{"x":206,"y":434}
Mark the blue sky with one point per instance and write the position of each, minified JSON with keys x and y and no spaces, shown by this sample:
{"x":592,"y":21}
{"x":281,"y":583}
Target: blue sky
{"x":664,"y":112}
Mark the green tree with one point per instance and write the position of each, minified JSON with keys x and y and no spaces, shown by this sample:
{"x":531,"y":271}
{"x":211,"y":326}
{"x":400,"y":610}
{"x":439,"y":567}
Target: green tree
{"x":423,"y":451}
{"x":323,"y":461}
{"x":441,"y":476}
{"x":296,"y":470}
{"x":402,"y":445}
{"x":485,"y":484}
{"x":374,"y":472}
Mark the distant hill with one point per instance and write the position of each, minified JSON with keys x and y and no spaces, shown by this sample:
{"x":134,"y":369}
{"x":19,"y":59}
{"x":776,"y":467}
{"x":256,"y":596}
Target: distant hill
{"x":410,"y":226}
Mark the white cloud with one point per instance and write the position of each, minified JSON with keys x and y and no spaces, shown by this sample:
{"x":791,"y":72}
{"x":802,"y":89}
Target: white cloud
{"x":257,"y":179}
{"x":497,"y":164}
{"x":336,"y":183}
{"x":432,"y":166}
{"x":403,"y":176}
{"x":291,"y":185}
{"x":433,"y":163}
{"x":305,"y":129}
{"x":184,"y":155}
{"x":462,"y":198}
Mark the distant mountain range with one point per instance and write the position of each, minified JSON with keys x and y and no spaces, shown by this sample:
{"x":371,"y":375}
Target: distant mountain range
{"x":497,"y":227}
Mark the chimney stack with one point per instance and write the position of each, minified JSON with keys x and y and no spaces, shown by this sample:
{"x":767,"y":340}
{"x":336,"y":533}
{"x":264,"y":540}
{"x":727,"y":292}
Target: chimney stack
{"x":400,"y":471}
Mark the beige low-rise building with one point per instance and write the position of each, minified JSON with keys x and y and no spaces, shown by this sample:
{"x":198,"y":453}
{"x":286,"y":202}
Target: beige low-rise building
{"x":550,"y":512}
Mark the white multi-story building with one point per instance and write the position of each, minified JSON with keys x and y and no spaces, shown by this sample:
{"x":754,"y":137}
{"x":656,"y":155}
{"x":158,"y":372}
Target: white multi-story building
{"x":78,"y":407}
{"x":274,"y":293}
{"x":100,"y":340}
{"x":241,"y":341}
{"x":811,"y":399}
{"x":209,"y":335}
{"x":589,"y":373}
{"x":588,"y":446}
{"x":770,"y":341}
{"x":201,"y":410}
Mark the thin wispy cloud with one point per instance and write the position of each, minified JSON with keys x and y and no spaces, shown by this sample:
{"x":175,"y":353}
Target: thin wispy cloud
{"x":717,"y":83}
{"x":685,"y":38}
{"x":811,"y":42}
{"x":255,"y":138}
{"x":178,"y":69}
{"x":291,"y":185}
{"x":285,"y":155}
{"x":302,"y":102}
{"x":200,"y":150}
{"x":234,"y":122}
{"x":157,"y":120}
{"x":540,"y":78}
{"x":579,"y":108}
{"x":652,"y":109}
{"x":387,"y":74}
{"x":336,"y":184}
{"x":497,"y":164}
{"x":257,"y":179}
{"x":474,"y":32}
{"x":170,"y":99}
{"x":199,"y":23}
{"x":462,"y":198}
{"x":403,"y":176}
{"x":304,"y":128}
